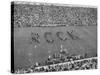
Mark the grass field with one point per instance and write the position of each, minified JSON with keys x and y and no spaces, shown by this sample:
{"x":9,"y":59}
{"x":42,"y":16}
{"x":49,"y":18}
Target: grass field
{"x":27,"y":52}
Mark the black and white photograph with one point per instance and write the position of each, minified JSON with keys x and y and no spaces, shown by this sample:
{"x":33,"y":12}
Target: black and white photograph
{"x":53,"y":37}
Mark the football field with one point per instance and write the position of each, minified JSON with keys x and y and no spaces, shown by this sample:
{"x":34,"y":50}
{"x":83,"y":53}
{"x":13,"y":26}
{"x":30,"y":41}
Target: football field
{"x":27,"y":51}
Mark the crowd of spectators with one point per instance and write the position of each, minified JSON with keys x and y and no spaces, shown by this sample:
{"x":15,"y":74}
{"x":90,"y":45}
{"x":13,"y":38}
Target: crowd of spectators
{"x":72,"y":65}
{"x":30,"y":15}
{"x":83,"y":64}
